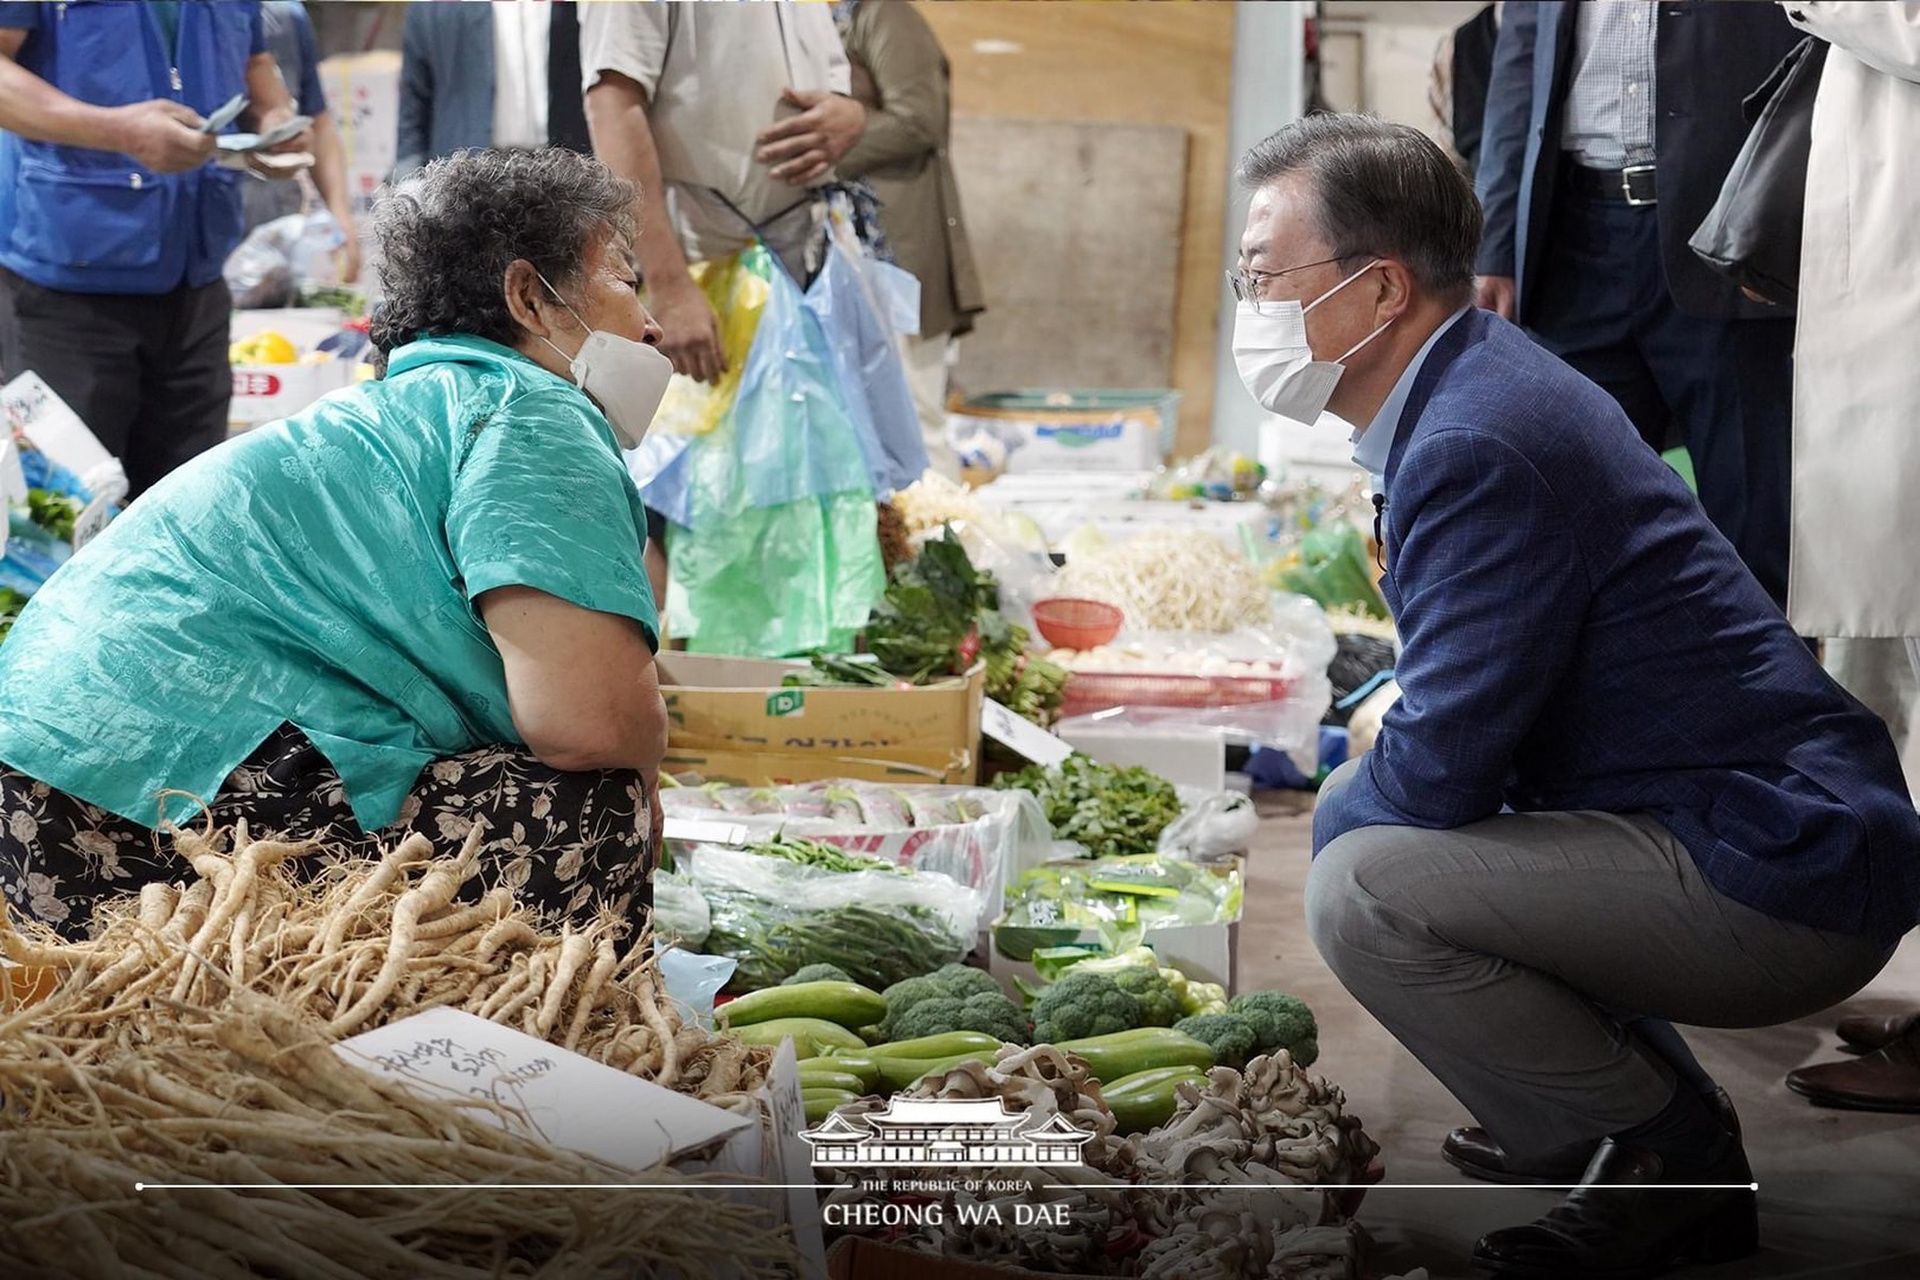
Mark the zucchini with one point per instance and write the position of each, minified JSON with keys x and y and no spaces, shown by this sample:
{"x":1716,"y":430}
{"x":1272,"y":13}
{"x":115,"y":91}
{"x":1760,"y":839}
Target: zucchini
{"x":903,"y":1073}
{"x":811,"y":1036}
{"x":847,"y":1004}
{"x":1126,"y":1053}
{"x":822,"y":1077}
{"x":821,"y":1103}
{"x":858,"y":1063}
{"x":1148,"y":1099}
{"x":944,"y":1045}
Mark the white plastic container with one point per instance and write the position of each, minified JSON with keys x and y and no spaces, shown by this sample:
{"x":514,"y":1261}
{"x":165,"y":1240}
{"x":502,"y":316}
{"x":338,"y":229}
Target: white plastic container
{"x":44,"y":418}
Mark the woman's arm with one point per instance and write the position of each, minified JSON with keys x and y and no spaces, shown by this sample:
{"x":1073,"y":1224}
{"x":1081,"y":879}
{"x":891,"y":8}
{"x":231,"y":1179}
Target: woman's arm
{"x":581,"y":684}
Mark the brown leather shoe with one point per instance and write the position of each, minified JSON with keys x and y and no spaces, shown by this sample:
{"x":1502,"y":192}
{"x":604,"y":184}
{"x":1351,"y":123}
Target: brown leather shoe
{"x":1886,"y":1080}
{"x":1474,"y":1152}
{"x":1864,"y":1033}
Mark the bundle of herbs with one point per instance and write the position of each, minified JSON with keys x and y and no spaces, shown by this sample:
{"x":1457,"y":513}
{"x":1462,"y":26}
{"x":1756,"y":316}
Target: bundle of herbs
{"x":939,"y":616}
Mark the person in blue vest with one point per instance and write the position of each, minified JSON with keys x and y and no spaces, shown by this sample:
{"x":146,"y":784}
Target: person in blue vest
{"x":117,"y":221}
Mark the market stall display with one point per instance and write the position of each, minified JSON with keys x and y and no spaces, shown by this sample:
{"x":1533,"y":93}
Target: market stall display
{"x":236,"y":988}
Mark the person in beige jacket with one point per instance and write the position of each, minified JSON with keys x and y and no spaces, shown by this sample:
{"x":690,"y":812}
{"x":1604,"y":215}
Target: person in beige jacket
{"x":1856,"y":426}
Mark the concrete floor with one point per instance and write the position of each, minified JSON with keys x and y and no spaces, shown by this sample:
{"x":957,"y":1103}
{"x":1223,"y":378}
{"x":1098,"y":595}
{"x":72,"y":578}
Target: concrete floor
{"x":1839,"y":1190}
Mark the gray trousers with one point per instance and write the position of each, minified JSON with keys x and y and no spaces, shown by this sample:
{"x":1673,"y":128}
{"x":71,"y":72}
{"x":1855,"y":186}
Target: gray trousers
{"x":1513,"y":956}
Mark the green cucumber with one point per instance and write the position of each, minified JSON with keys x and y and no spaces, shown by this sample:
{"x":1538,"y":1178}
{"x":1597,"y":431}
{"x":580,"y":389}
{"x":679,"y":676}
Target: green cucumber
{"x":814,"y":1074}
{"x":944,"y":1045}
{"x":812,"y":1037}
{"x":847,"y":1004}
{"x":855,"y":1062}
{"x":903,"y":1073}
{"x":1148,"y":1099}
{"x":821,"y":1103}
{"x":1125,"y":1053}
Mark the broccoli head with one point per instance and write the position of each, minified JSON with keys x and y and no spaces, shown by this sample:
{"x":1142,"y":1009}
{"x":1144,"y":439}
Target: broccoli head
{"x":1081,"y":1005}
{"x":989,"y":1012}
{"x":817,"y":973}
{"x":1159,"y":1002}
{"x":1230,"y":1036}
{"x":1281,"y":1022}
{"x":949,"y":981}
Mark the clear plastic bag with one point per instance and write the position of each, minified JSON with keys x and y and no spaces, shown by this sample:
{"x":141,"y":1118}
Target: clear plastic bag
{"x":679,"y":912}
{"x":1213,"y":825}
{"x":692,"y":982}
{"x":776,"y":917}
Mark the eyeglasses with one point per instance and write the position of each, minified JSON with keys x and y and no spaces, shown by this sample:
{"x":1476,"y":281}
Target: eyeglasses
{"x":1247,"y":283}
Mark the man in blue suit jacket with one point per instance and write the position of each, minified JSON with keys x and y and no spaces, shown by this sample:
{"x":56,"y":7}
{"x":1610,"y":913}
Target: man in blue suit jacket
{"x":452,"y":77}
{"x":1610,"y":127}
{"x":1614,"y":780}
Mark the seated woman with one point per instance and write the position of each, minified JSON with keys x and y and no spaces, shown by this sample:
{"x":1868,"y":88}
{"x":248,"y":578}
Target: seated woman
{"x":416,"y":606}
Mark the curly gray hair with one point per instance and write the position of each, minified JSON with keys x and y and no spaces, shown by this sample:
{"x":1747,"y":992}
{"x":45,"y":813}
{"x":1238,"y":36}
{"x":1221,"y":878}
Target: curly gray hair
{"x":449,"y":232}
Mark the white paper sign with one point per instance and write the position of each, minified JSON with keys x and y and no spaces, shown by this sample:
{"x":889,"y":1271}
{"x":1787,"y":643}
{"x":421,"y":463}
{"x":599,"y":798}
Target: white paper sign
{"x":570,"y":1101}
{"x":707,"y":831}
{"x":1022,"y":735}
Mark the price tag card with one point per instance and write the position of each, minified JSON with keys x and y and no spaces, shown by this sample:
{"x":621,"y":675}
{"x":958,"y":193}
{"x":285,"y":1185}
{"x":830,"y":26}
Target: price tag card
{"x":569,"y":1100}
{"x":1022,"y":735}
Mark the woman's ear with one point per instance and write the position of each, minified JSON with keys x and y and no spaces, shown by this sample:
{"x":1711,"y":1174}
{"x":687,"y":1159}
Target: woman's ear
{"x":525,"y":295}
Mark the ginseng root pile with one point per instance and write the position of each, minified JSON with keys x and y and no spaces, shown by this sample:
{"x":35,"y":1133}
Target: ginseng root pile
{"x":191,"y":1042}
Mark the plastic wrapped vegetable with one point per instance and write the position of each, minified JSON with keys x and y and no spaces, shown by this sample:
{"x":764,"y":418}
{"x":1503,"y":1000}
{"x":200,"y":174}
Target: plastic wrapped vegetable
{"x":776,"y":917}
{"x":679,"y":912}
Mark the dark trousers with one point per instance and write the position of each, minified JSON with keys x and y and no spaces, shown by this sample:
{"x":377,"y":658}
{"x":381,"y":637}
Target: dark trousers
{"x":147,"y":374}
{"x":1724,"y":388}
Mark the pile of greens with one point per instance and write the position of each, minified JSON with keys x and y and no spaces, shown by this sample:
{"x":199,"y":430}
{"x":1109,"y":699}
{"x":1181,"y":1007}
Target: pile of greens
{"x":54,"y":512}
{"x":938,"y":617}
{"x":11,"y":603}
{"x":1109,"y":809}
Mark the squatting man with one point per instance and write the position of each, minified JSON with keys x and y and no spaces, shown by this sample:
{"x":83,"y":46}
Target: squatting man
{"x":1617,"y":791}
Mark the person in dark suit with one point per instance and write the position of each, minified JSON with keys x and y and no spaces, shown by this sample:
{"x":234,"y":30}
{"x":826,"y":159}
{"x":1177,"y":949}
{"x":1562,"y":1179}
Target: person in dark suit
{"x":505,"y":74}
{"x":1610,"y":127}
{"x":1615,"y":779}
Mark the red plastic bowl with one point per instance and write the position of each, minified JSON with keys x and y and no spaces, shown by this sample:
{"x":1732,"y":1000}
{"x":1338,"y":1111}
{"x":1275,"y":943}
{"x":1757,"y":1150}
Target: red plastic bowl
{"x":1067,"y":623}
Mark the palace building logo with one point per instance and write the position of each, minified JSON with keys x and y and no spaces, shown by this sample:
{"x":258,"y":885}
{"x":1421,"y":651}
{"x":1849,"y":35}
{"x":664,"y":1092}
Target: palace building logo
{"x":945,"y":1133}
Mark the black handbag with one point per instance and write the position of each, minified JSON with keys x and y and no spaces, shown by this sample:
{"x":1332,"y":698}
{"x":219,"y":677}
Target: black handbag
{"x":1752,"y":233}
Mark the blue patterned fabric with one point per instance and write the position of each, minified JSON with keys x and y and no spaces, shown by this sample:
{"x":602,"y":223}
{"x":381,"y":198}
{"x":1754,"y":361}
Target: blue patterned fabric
{"x":1578,"y":636}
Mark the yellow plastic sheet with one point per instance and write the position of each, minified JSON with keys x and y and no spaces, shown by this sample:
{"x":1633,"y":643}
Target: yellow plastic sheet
{"x":737,"y":296}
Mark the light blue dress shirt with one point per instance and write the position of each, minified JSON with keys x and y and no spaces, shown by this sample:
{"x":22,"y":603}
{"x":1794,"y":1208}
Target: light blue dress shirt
{"x":1372,"y":447}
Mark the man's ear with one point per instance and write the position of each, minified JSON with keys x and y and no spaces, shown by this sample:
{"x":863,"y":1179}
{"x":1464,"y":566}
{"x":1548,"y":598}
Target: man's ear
{"x":1395,"y":298}
{"x":525,"y":297}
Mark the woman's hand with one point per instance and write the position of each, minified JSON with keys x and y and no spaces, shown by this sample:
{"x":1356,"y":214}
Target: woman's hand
{"x":581,"y":684}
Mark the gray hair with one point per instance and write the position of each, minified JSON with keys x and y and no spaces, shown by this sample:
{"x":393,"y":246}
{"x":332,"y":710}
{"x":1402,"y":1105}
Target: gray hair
{"x":449,"y":232}
{"x":1379,"y":189}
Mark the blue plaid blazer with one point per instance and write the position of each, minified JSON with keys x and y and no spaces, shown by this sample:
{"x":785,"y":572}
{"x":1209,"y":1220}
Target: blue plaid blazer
{"x":1578,"y":636}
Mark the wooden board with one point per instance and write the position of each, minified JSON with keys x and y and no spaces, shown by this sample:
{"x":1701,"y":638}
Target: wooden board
{"x":1077,"y":230}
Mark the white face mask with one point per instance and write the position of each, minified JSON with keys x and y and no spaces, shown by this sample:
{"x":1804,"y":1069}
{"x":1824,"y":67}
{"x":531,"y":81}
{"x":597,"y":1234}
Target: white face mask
{"x":1276,"y":363}
{"x":627,"y":379}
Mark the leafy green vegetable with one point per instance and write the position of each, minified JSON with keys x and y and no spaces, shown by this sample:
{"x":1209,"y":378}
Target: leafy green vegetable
{"x":873,"y":946}
{"x":54,"y":512}
{"x":937,"y":618}
{"x":11,"y":603}
{"x":1109,"y":809}
{"x":818,"y":853}
{"x":1082,"y":1005}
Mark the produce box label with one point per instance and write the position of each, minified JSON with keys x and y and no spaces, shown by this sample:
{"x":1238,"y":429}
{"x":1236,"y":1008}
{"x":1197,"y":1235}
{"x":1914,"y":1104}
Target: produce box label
{"x":787,"y":704}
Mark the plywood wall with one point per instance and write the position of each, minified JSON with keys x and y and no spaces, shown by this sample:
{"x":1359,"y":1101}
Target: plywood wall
{"x":1106,"y":60}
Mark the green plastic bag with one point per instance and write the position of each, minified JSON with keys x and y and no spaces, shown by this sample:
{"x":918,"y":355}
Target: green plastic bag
{"x":774,"y":582}
{"x":1330,"y":567}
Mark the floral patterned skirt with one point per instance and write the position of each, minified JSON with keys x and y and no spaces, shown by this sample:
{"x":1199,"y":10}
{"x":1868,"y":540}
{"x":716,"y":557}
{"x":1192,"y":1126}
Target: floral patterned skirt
{"x":568,"y":843}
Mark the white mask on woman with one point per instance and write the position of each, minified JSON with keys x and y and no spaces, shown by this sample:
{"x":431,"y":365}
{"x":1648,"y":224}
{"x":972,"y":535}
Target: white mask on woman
{"x":627,"y":379}
{"x":1276,"y":363}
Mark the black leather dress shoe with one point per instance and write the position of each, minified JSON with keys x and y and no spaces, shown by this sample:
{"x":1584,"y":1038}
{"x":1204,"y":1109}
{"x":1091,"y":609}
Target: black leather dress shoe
{"x":1474,"y":1152}
{"x":1622,"y":1224}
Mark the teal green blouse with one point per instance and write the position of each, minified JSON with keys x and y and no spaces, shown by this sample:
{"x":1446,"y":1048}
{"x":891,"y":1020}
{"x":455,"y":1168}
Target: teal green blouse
{"x":322,"y":570}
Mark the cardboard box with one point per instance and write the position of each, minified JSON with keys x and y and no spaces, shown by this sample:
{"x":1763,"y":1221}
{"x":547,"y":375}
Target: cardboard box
{"x":731,"y":719}
{"x":269,"y":392}
{"x":363,"y":94}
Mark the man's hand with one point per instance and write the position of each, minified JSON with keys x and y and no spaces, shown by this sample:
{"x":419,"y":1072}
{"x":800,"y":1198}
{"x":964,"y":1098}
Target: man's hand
{"x":690,"y":330}
{"x":350,"y":255}
{"x":802,"y":148}
{"x":163,"y":135}
{"x":273,"y":119}
{"x":1496,"y":295}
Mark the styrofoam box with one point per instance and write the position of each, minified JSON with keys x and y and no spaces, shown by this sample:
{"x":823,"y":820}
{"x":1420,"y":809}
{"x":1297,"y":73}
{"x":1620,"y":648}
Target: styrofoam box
{"x":1196,"y":759}
{"x":269,"y":392}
